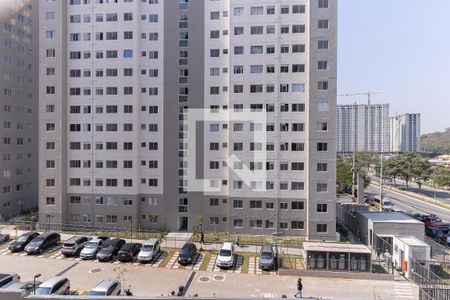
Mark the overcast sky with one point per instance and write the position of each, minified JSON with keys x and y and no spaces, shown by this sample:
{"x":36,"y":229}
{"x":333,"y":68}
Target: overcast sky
{"x":400,"y":47}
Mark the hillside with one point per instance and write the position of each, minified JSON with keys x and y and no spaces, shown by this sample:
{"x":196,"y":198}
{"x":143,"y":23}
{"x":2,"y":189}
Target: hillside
{"x":437,"y":142}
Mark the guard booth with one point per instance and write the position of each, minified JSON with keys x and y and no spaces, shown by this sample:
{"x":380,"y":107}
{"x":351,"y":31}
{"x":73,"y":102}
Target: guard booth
{"x":337,"y":257}
{"x":409,"y":248}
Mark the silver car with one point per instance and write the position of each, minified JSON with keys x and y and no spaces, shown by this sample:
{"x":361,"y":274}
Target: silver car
{"x":149,"y":251}
{"x":108,"y":287}
{"x":91,"y":248}
{"x":54,"y":286}
{"x":267,"y":258}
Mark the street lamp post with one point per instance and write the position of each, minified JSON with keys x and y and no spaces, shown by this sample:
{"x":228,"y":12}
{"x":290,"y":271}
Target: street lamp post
{"x":34,"y":282}
{"x":131,"y":230}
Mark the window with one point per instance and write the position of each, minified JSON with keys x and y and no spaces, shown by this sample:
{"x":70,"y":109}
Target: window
{"x":322,"y":147}
{"x":127,"y":53}
{"x":298,"y":28}
{"x":238,"y":204}
{"x":323,"y":44}
{"x":257,"y":10}
{"x":298,"y":9}
{"x":256,"y":204}
{"x":322,"y":167}
{"x":297,"y":225}
{"x":322,"y":65}
{"x":238,"y":30}
{"x":297,"y":205}
{"x":322,"y":85}
{"x":214,"y":202}
{"x":322,"y":207}
{"x":214,"y":15}
{"x":238,"y":11}
{"x":323,"y":3}
{"x":323,"y":24}
{"x":322,"y":187}
{"x":322,"y":228}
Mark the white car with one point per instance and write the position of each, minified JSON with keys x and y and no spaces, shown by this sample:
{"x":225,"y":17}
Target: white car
{"x":225,"y":259}
{"x":4,"y":237}
{"x":149,"y":250}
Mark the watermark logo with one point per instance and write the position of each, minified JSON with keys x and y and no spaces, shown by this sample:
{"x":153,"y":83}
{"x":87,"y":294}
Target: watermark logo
{"x":243,"y":166}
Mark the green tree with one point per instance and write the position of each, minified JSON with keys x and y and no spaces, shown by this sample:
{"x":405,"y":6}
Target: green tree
{"x":439,"y":179}
{"x":422,"y":171}
{"x":367,"y":159}
{"x":392,"y":168}
{"x":344,"y":176}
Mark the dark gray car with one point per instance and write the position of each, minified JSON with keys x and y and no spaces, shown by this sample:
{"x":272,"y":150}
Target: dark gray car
{"x":267,"y":258}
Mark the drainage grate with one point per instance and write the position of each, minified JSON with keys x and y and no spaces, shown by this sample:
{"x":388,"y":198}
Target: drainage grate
{"x":96,"y":270}
{"x":219,"y":278}
{"x":204,"y":279}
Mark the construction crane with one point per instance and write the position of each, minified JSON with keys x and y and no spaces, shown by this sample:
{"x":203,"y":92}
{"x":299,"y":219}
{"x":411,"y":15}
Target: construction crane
{"x":368,"y":94}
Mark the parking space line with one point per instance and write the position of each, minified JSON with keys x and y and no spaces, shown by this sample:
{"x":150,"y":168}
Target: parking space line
{"x":198,"y":262}
{"x":212,"y":263}
{"x":238,"y":264}
{"x":159,"y":259}
{"x":258,"y":270}
{"x":251,"y":265}
{"x":173,"y":260}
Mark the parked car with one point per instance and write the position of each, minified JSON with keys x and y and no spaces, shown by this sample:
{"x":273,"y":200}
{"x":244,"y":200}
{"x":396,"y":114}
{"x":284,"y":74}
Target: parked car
{"x":54,"y":286}
{"x":149,"y":251}
{"x":27,"y":287}
{"x":267,"y":258}
{"x":110,"y":249}
{"x":74,"y":245}
{"x":225,"y":259}
{"x":187,"y":254}
{"x":7,"y":279}
{"x":91,"y":248}
{"x":129,"y":251}
{"x":43,"y":242}
{"x":107,"y":287}
{"x":431,"y":231}
{"x":4,"y":237}
{"x":22,"y":241}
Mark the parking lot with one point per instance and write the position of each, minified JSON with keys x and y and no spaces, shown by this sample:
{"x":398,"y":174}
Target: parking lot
{"x":167,"y":259}
{"x":203,"y":278}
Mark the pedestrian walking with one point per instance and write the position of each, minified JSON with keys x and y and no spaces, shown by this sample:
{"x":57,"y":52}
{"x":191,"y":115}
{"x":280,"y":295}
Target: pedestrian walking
{"x":237,"y":239}
{"x":202,"y":238}
{"x":387,"y":257}
{"x":299,"y":289}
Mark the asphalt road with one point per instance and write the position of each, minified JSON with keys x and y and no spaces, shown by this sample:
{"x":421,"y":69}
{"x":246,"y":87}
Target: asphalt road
{"x":411,"y":205}
{"x":413,"y":187}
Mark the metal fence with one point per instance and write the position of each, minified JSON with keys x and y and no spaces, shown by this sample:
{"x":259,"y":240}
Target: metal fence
{"x":120,"y":232}
{"x":431,"y":286}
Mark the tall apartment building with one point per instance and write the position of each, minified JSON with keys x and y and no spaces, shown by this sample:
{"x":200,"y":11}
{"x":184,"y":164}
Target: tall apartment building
{"x":18,"y":107}
{"x":405,"y":133}
{"x":363,"y":127}
{"x":120,"y":80}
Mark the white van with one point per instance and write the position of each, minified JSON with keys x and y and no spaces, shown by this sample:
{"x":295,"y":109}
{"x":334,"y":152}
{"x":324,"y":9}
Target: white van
{"x":225,"y":259}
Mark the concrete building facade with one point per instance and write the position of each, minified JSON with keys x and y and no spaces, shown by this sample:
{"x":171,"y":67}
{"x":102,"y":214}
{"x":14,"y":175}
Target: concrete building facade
{"x":363,"y":127}
{"x":18,"y":107}
{"x":118,"y":92}
{"x":405,"y":133}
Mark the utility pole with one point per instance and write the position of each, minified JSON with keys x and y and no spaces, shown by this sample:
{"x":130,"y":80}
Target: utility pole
{"x":381,"y":182}
{"x":354,"y":171}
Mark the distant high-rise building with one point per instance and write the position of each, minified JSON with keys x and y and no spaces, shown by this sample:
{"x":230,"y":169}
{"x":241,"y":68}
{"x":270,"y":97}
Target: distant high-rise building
{"x":405,"y":133}
{"x":119,"y":80}
{"x":18,"y":106}
{"x":363,"y":127}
